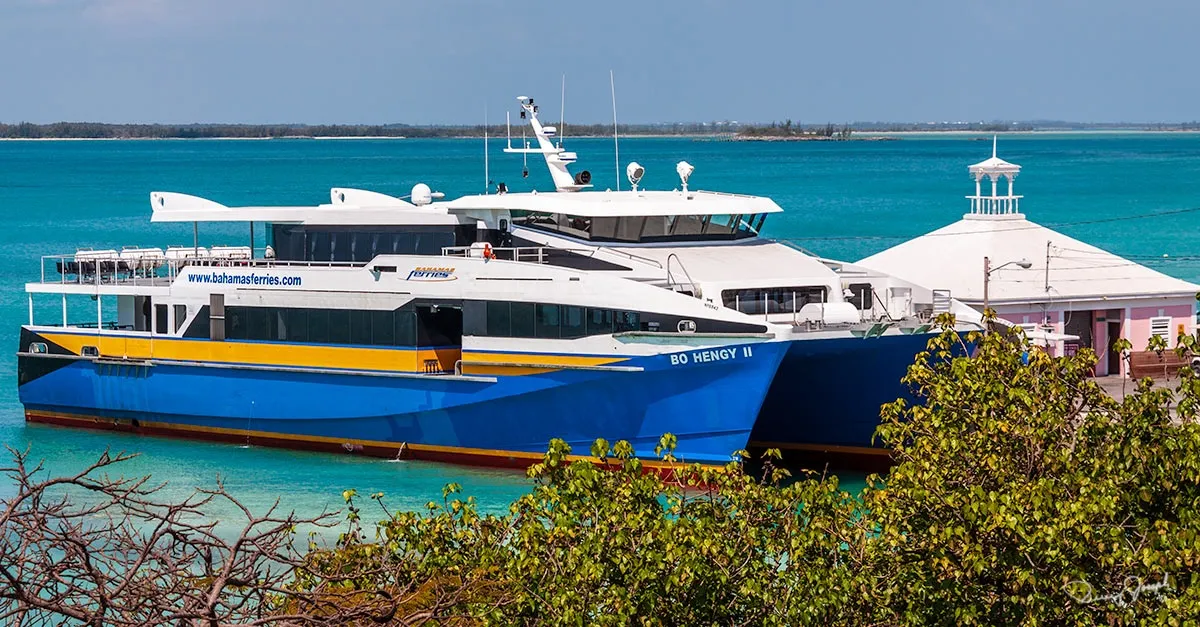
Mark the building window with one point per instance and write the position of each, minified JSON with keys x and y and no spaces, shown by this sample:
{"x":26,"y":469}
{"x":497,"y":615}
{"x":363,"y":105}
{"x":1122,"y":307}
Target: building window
{"x":1161,"y":326}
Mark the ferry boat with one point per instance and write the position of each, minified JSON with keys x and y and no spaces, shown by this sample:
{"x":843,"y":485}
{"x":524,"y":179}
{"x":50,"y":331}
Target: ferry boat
{"x":361,"y":331}
{"x":852,"y":331}
{"x":477,"y":329}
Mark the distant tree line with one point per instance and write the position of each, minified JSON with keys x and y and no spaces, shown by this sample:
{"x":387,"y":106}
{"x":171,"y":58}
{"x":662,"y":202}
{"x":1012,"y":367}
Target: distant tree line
{"x":95,"y":130}
{"x":786,"y":129}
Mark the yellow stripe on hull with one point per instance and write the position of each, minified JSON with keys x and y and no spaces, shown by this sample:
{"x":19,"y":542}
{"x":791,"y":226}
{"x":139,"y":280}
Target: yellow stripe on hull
{"x":511,"y":364}
{"x":259,"y":353}
{"x":318,"y":356}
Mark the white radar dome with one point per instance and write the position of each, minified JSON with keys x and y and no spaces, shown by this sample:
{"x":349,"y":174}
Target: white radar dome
{"x":421,"y":194}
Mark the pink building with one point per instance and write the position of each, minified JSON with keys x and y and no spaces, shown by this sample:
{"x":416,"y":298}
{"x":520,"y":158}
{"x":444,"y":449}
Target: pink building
{"x":1069,"y":293}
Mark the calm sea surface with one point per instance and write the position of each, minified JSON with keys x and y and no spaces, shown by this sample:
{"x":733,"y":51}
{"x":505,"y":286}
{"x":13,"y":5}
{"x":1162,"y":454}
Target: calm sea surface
{"x":843,"y":200}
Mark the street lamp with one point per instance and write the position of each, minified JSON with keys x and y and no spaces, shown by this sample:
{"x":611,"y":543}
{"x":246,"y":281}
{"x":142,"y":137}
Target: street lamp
{"x":988,"y":270}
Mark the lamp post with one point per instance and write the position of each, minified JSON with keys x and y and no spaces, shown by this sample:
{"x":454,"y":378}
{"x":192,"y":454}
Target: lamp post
{"x":988,"y":270}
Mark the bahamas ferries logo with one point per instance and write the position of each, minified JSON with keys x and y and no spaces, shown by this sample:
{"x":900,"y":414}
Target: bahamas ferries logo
{"x":421,"y":273}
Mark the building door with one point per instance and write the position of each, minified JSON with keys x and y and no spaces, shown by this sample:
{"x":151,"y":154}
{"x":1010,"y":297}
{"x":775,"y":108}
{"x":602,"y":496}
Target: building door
{"x":1079,"y":324}
{"x":1114,"y":356}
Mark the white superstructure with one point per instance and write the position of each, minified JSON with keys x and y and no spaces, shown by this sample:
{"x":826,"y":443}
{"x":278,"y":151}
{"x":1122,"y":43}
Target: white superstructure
{"x":705,"y":244}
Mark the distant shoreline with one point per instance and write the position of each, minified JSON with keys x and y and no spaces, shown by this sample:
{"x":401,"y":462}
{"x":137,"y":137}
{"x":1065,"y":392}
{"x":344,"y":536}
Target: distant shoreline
{"x":856,"y":135}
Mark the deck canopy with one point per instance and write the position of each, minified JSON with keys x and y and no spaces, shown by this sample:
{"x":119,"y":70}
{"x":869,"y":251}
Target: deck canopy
{"x":347,"y":207}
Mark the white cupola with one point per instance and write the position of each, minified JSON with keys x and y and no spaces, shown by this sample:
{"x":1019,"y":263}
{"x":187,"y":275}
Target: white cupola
{"x":994,"y":206}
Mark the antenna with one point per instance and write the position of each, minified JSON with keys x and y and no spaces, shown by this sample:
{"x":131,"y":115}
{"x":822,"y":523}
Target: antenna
{"x":487,"y":180}
{"x":562,"y":113}
{"x":508,"y":128}
{"x":612,"y":85}
{"x":993,"y":146}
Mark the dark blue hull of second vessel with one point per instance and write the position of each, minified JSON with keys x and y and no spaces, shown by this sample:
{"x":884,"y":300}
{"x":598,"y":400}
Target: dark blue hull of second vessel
{"x":827,"y":395}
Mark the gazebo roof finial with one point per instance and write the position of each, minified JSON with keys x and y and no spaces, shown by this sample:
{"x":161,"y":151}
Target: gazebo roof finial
{"x":994,"y":146}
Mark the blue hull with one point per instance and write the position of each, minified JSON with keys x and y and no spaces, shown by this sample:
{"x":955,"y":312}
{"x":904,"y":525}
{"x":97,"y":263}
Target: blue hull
{"x":828,"y":393}
{"x":710,"y":406}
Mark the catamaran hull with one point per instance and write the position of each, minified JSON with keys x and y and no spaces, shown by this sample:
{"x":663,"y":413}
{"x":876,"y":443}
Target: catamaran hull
{"x":710,"y":406}
{"x":827,"y":395}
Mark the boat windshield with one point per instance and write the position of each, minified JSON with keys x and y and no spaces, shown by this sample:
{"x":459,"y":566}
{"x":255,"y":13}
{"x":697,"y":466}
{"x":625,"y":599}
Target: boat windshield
{"x":647,"y":229}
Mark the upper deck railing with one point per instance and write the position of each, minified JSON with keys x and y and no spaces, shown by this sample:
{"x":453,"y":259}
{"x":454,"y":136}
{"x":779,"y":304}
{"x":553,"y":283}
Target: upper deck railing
{"x":540,"y":254}
{"x":153,"y":266}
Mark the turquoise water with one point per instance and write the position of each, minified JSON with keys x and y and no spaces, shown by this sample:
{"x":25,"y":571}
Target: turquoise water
{"x":844,"y":200}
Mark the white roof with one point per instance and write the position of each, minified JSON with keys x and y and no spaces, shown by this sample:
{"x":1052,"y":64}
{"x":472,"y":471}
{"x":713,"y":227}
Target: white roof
{"x":628,"y":203}
{"x":753,"y":262}
{"x":952,"y":258}
{"x":348,"y":207}
{"x":994,"y":164}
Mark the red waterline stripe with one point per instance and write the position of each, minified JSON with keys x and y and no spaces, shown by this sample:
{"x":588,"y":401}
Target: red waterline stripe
{"x":448,"y":455}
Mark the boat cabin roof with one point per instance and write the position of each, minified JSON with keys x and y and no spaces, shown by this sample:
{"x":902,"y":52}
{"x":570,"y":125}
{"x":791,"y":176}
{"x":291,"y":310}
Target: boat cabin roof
{"x":620,"y":204}
{"x":351,"y":206}
{"x":347,"y":207}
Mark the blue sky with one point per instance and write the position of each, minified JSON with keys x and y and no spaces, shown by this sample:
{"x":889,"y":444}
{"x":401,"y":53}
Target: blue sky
{"x":441,"y":61}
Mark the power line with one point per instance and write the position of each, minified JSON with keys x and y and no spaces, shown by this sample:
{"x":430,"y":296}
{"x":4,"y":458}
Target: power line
{"x":1031,"y":226}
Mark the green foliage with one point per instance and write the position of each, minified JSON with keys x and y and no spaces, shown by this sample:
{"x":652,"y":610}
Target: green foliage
{"x":1021,"y":494}
{"x":1018,"y":488}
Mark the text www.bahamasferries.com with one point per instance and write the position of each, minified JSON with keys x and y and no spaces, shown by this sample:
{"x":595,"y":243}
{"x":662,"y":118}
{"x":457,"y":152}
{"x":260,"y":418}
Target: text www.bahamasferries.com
{"x":224,"y":278}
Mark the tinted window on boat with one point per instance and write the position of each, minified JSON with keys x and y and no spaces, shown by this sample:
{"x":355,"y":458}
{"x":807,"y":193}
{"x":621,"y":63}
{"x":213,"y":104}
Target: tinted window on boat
{"x":199,"y":325}
{"x":440,"y":326}
{"x":633,"y":229}
{"x":360,"y":327}
{"x":293,"y":242}
{"x":522,"y":320}
{"x":571,"y":322}
{"x":406,"y":327}
{"x":599,"y":321}
{"x":318,"y":327}
{"x":773,"y":300}
{"x":383,"y":328}
{"x":297,"y":325}
{"x":861,"y":296}
{"x":499,"y":324}
{"x":339,"y":326}
{"x":546,"y":321}
{"x":553,"y":321}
